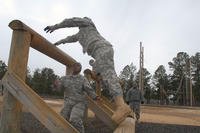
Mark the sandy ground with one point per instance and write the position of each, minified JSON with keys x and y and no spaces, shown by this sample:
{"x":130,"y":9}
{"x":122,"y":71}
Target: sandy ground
{"x":152,"y":114}
{"x":171,"y":115}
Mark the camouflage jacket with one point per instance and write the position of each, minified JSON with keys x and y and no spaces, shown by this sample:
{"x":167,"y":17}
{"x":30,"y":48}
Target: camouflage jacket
{"x":134,"y":95}
{"x":76,"y":87}
{"x":88,"y":36}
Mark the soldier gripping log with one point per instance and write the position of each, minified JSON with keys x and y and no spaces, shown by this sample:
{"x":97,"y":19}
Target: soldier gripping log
{"x":102,"y":51}
{"x":75,"y":102}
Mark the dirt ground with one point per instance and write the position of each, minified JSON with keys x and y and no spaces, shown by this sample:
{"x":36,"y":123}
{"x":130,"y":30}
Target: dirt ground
{"x":153,"y":119}
{"x":171,"y":115}
{"x":155,"y":114}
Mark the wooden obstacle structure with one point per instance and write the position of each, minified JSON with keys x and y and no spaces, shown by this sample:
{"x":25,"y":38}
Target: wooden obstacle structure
{"x":18,"y":94}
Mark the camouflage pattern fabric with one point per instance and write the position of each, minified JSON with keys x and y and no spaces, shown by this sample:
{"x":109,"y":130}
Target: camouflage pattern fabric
{"x":134,"y":98}
{"x":75,"y":103}
{"x":96,"y":46}
{"x":88,"y":36}
{"x":76,"y":86}
{"x":74,"y":112}
{"x":104,"y":64}
{"x":135,"y":106}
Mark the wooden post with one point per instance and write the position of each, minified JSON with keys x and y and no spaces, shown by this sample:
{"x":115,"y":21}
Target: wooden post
{"x":10,"y":118}
{"x":41,"y":44}
{"x":46,"y":115}
{"x":98,"y":88}
{"x":69,"y":70}
{"x":141,"y":80}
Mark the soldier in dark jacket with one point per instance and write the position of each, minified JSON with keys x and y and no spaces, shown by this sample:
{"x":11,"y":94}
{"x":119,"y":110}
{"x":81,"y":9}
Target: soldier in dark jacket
{"x":134,"y":97}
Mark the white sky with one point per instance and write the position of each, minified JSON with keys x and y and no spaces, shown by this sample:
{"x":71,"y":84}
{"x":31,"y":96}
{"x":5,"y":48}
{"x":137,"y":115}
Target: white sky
{"x":165,"y":28}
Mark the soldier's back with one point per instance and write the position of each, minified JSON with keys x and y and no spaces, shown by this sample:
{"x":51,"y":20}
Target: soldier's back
{"x":135,"y":95}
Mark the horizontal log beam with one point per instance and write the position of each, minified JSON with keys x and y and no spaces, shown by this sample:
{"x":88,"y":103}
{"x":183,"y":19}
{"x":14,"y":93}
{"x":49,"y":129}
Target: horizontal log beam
{"x":53,"y":121}
{"x":41,"y":44}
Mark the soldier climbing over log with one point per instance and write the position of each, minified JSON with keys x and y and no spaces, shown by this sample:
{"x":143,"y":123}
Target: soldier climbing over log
{"x":102,"y":51}
{"x":75,"y":102}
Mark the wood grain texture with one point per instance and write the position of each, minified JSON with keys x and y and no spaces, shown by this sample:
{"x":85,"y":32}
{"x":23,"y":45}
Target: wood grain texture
{"x":10,"y":120}
{"x":41,"y":44}
{"x":53,"y":121}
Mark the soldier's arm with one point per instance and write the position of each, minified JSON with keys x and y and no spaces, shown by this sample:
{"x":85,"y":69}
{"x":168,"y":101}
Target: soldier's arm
{"x":68,"y":39}
{"x":91,"y":73}
{"x":71,"y":22}
{"x":88,"y":89}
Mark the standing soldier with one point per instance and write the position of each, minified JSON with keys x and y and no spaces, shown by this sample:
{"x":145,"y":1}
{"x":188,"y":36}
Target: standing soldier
{"x":134,"y":97}
{"x":102,"y":51}
{"x":75,"y":102}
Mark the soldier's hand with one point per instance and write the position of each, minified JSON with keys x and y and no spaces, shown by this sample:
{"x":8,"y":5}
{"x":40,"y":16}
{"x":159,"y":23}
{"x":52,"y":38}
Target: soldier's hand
{"x":59,"y":42}
{"x":98,"y":99}
{"x":49,"y":29}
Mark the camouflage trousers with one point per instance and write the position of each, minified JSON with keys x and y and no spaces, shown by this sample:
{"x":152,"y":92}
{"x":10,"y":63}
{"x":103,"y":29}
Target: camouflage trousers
{"x":135,"y":106}
{"x":74,"y":112}
{"x":104,"y":62}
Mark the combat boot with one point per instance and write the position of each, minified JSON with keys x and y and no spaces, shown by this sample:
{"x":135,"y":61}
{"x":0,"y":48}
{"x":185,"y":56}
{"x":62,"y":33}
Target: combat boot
{"x":122,"y":110}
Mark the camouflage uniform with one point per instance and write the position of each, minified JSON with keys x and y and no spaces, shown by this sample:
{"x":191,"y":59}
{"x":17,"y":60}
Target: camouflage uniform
{"x":101,"y":50}
{"x":75,"y":102}
{"x":134,"y":98}
{"x":96,"y":46}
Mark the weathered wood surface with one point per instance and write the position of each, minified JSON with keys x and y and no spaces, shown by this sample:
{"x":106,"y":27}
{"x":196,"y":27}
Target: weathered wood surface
{"x":108,"y":103}
{"x":127,"y":126}
{"x":53,"y":121}
{"x":41,"y":44}
{"x":101,"y":113}
{"x":10,"y":120}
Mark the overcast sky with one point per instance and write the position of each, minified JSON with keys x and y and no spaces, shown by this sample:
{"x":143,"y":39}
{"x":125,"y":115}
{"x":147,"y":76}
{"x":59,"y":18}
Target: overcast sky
{"x":165,"y":27}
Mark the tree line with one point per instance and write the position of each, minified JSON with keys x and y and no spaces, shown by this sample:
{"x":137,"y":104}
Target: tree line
{"x":159,"y":87}
{"x":41,"y":81}
{"x":171,"y":88}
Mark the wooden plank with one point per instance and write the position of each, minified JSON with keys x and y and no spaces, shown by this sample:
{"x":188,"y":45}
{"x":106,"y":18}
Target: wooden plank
{"x":127,"y":126}
{"x":10,"y":118}
{"x":104,"y":107}
{"x":101,"y":114}
{"x":98,"y":88}
{"x":53,"y":121}
{"x":108,"y":103}
{"x":41,"y":44}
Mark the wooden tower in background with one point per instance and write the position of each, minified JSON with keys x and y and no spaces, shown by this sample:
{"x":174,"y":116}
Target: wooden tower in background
{"x":141,"y":76}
